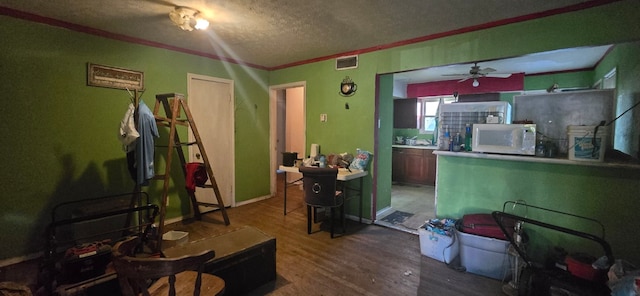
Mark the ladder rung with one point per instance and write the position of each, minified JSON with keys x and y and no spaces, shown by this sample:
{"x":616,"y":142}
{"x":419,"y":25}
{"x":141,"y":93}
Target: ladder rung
{"x":178,"y":144}
{"x":166,"y":121}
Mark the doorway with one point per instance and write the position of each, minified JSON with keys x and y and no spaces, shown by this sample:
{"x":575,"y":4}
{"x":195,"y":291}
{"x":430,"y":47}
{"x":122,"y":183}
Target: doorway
{"x":411,"y":206}
{"x":405,"y":193}
{"x":212,"y":107}
{"x":287,"y":125}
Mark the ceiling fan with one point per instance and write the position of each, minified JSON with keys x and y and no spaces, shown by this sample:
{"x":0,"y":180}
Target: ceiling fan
{"x":476,"y":73}
{"x":185,"y":17}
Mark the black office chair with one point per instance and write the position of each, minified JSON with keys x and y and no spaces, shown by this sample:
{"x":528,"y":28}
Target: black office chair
{"x":320,"y":192}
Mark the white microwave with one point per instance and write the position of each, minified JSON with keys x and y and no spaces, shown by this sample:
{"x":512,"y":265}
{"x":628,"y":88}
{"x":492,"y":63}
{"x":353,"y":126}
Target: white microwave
{"x":504,"y":138}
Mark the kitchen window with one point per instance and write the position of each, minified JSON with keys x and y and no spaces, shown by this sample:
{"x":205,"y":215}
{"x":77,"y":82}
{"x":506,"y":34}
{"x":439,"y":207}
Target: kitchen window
{"x":428,"y":112}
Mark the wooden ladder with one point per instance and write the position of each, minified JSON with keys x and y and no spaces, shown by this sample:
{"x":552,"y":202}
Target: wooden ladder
{"x":172,"y":102}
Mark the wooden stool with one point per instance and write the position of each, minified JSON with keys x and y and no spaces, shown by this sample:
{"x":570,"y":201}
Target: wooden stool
{"x":184,"y":284}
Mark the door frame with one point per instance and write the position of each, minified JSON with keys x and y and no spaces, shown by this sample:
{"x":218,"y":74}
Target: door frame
{"x":230,"y":83}
{"x":273,"y":127}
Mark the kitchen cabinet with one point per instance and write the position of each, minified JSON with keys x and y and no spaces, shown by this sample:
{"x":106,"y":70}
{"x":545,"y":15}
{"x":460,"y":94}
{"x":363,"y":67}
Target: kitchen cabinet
{"x":430,"y":160}
{"x":413,"y":166}
{"x":404,"y":113}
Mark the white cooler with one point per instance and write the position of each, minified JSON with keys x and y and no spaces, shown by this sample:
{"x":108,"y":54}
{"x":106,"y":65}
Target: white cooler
{"x":437,"y":246}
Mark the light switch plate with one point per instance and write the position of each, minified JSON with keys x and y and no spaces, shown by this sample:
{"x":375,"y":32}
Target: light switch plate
{"x":323,"y":117}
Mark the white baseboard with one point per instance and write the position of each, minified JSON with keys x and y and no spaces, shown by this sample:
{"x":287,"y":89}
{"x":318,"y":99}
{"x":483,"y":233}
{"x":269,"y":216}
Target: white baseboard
{"x":255,"y":199}
{"x":384,"y":211}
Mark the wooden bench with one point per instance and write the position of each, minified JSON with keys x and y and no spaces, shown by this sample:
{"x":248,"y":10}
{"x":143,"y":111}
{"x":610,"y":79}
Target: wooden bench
{"x":245,"y":258}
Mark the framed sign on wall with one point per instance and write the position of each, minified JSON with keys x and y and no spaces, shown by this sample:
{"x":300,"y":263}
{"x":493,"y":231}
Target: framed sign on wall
{"x":114,"y":77}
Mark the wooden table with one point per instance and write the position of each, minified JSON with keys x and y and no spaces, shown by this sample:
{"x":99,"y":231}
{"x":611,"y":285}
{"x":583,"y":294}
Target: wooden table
{"x":245,"y":258}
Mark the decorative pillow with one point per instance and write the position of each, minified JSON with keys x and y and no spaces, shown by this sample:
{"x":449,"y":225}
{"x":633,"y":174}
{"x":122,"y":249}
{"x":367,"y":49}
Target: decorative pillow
{"x":361,"y":160}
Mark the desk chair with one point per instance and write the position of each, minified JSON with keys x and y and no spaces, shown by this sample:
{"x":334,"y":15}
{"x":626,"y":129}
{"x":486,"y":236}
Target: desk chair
{"x":174,"y":275}
{"x":320,"y":192}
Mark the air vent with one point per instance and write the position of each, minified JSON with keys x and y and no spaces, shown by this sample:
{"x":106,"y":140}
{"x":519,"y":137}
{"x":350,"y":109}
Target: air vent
{"x":348,"y":62}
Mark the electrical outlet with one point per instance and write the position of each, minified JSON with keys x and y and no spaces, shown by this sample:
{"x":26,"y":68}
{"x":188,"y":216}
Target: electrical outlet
{"x":323,"y":117}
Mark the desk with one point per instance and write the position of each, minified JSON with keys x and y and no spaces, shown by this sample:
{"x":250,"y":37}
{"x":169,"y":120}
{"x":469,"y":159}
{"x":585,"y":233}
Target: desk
{"x":344,"y":176}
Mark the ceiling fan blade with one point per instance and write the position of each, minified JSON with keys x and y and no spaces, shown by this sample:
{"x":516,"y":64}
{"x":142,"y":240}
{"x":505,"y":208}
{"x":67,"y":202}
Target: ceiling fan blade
{"x":465,"y":79}
{"x":486,"y":70}
{"x":462,"y":75}
{"x":496,"y":75}
{"x":164,"y":2}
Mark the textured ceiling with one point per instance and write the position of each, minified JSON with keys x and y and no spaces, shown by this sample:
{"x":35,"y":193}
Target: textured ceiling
{"x":276,"y":33}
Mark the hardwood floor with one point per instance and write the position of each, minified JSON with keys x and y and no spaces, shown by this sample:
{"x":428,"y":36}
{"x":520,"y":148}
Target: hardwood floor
{"x":367,"y":260}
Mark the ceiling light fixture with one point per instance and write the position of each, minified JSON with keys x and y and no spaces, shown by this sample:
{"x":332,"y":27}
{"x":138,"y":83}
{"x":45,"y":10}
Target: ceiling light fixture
{"x":475,"y":83}
{"x":188,"y":18}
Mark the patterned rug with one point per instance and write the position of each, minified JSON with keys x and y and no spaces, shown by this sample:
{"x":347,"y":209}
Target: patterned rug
{"x":397,"y":217}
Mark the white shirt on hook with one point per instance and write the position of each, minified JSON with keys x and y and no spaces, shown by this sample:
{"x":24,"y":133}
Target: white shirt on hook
{"x":128,"y":132}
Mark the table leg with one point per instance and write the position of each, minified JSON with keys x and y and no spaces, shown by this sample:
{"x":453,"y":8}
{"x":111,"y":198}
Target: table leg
{"x":361,"y":194}
{"x":285,"y":193}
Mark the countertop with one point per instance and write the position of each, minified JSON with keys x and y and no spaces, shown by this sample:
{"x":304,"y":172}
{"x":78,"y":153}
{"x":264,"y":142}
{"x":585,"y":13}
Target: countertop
{"x":538,"y":159}
{"x":430,"y":147}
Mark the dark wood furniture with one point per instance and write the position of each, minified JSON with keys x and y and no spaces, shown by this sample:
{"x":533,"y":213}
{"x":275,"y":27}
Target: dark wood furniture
{"x":413,"y":166}
{"x":176,"y":276}
{"x":245,"y":257}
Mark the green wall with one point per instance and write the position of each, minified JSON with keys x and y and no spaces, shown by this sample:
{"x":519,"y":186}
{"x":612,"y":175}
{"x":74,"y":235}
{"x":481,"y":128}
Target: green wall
{"x":581,"y":79}
{"x":60,"y":134}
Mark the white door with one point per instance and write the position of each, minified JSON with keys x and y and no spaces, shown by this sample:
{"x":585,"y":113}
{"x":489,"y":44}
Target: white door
{"x":211,"y":103}
{"x":287,"y":124}
{"x":294,"y":139}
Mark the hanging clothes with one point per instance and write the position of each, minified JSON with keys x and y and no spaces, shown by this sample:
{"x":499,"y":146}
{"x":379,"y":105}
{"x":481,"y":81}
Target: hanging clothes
{"x":128,"y":133}
{"x":196,"y":176}
{"x":141,"y":160}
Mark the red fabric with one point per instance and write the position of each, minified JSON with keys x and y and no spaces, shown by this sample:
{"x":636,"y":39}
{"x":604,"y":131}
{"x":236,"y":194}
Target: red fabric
{"x":485,"y":225}
{"x":196,"y":175}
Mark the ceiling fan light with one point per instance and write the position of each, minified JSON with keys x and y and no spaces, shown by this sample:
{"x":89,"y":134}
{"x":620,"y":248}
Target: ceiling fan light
{"x":475,"y":83}
{"x":201,"y":24}
{"x":187,"y":18}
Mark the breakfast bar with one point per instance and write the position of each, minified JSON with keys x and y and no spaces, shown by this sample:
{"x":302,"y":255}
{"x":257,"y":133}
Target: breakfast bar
{"x":469,"y":182}
{"x":344,"y":176}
